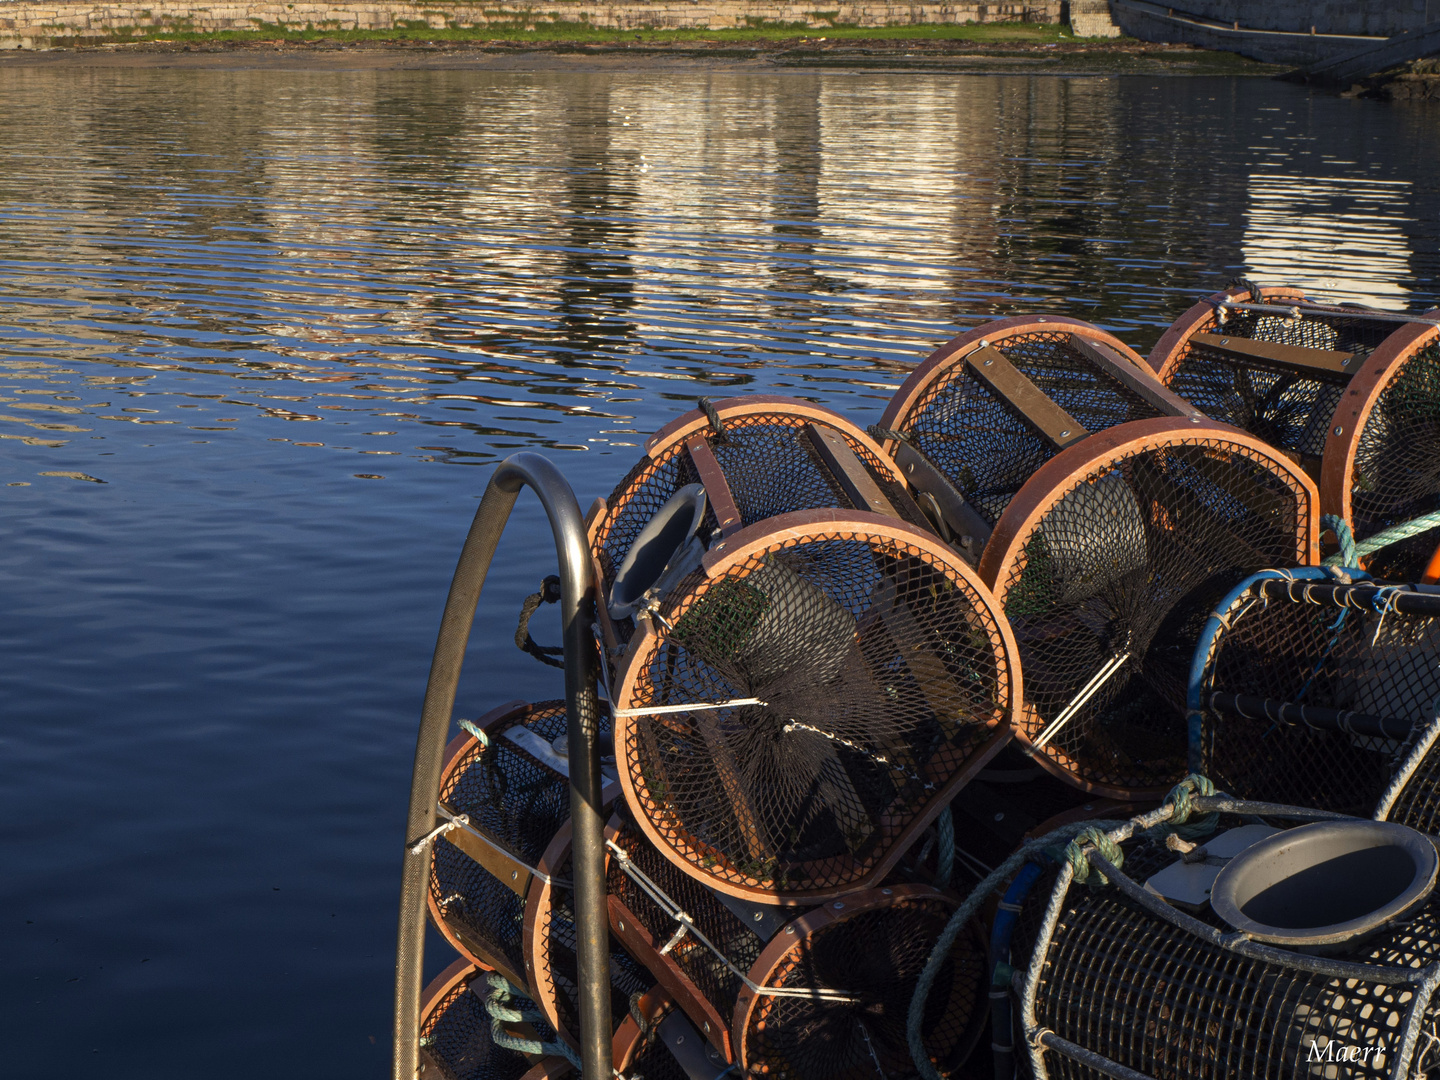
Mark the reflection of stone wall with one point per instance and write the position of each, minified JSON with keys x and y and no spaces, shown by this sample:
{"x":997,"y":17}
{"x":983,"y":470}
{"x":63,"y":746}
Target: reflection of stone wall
{"x":29,"y":25}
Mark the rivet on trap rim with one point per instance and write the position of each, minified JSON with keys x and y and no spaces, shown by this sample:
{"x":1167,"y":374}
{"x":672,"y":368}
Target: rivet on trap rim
{"x":1339,"y":430}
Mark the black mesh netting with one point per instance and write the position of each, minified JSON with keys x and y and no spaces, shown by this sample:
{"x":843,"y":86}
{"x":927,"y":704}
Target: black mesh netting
{"x":769,"y":464}
{"x":716,"y":983}
{"x":1287,"y":410}
{"x":1288,"y":651}
{"x":1113,"y":585}
{"x":1396,"y":475}
{"x":879,"y":670}
{"x":555,"y":933}
{"x":520,"y":803}
{"x":655,"y":1062}
{"x":1122,"y":983}
{"x":876,"y":958}
{"x":982,"y":446}
{"x":455,"y":1036}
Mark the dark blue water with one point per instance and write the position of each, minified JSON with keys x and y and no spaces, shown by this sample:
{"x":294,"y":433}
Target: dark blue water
{"x":263,"y":334}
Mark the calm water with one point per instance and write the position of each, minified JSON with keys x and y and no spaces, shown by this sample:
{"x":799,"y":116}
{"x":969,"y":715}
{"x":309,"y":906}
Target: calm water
{"x":262,"y":335}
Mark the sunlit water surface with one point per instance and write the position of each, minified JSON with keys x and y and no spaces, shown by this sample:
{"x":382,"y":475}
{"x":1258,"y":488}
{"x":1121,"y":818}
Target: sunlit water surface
{"x":263,"y":334}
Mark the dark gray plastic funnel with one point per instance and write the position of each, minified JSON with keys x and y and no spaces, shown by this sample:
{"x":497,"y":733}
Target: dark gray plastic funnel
{"x":1325,"y":884}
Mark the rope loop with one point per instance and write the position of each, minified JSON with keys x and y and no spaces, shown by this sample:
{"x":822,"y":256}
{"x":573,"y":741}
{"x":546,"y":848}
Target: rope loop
{"x":1348,"y":556}
{"x":498,"y":1005}
{"x":1080,"y":863}
{"x":713,"y":415}
{"x":549,"y":594}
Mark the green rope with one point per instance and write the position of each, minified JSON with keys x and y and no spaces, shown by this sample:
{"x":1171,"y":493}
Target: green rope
{"x":497,"y":1004}
{"x":1181,"y":808}
{"x":1393,"y":535}
{"x":1080,"y":864}
{"x":1347,"y":556}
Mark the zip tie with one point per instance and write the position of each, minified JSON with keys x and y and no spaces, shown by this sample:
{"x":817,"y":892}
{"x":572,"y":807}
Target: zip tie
{"x":462,"y":821}
{"x":796,"y":725}
{"x":1087,"y":691}
{"x":457,"y":821}
{"x":671,"y":909}
{"x":658,"y":710}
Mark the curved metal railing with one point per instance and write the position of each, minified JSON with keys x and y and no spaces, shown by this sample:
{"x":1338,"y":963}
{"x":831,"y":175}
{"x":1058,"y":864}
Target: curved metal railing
{"x":577,"y":613}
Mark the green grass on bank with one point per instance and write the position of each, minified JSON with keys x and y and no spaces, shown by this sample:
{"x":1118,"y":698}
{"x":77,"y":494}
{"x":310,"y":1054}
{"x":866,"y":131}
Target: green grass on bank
{"x":586,"y":34}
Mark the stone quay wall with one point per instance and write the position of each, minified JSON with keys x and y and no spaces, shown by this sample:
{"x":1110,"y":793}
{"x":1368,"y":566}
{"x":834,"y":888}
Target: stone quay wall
{"x":28,"y":25}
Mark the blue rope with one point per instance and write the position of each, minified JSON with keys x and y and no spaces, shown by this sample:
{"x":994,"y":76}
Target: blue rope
{"x":1180,"y":800}
{"x":945,"y":858}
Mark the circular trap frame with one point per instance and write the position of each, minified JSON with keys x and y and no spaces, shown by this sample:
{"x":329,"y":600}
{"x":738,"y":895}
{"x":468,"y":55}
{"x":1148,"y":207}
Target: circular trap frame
{"x":806,"y":701}
{"x":1107,"y":564}
{"x":1306,"y":687}
{"x":758,"y":457}
{"x":1351,"y":393}
{"x":499,"y":883}
{"x":988,"y":408}
{"x":821,"y":994}
{"x":457,"y":1034}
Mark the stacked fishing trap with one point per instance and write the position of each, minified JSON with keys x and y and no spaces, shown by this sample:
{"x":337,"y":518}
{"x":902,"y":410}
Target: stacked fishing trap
{"x":885,"y":719}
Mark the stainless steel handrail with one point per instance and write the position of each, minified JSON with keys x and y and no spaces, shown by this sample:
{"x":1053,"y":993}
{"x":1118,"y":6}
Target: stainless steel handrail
{"x":577,"y":613}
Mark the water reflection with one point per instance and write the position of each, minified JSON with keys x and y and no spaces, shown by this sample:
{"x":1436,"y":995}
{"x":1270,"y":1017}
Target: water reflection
{"x":246,"y":318}
{"x":1339,"y":238}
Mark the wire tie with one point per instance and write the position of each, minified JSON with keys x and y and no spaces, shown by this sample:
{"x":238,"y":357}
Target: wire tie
{"x":680,"y":933}
{"x":459,"y":821}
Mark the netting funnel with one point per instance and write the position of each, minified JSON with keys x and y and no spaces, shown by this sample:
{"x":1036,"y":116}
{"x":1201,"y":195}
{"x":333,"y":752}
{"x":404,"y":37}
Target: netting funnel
{"x":1148,"y":977}
{"x":1107,"y":564}
{"x":499,"y":884}
{"x":988,"y":408}
{"x":768,"y":456}
{"x":801,"y":995}
{"x":1306,"y":688}
{"x":1349,"y":392}
{"x":804,"y":703}
{"x":456,"y":1034}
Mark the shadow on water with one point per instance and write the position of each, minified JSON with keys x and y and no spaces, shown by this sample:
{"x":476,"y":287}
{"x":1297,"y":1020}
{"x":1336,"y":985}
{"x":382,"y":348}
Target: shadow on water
{"x":246,"y":319}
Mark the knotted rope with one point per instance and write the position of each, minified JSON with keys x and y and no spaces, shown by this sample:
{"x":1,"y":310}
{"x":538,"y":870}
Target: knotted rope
{"x":1177,"y":808}
{"x":549,"y":593}
{"x":498,"y":1005}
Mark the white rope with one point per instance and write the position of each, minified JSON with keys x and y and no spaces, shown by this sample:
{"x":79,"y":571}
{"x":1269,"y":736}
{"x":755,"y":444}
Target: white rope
{"x":1078,"y":702}
{"x":672,"y":910}
{"x":661,"y":710}
{"x":457,"y":821}
{"x":462,"y":821}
